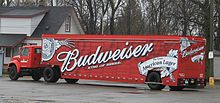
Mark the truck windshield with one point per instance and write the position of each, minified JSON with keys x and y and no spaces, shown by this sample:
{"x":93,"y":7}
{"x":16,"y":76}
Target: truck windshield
{"x":24,"y":52}
{"x":37,"y":50}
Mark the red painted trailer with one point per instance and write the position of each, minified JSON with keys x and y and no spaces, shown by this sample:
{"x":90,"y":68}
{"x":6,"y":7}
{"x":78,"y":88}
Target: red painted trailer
{"x":175,"y":61}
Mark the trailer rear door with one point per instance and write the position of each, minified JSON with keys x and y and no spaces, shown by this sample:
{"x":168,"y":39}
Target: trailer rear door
{"x":192,"y":58}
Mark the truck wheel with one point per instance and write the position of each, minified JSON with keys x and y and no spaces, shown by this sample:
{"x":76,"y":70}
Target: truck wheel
{"x":71,"y":81}
{"x":154,"y":77}
{"x":50,"y":75}
{"x":36,"y":75}
{"x":13,"y":74}
{"x":176,"y":88}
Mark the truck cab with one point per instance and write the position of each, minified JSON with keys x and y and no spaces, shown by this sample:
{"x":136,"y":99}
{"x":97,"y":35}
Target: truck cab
{"x":30,"y":57}
{"x":27,"y":63}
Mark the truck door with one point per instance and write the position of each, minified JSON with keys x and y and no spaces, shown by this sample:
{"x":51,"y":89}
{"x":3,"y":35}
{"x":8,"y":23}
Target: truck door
{"x":36,"y":62}
{"x":24,"y":57}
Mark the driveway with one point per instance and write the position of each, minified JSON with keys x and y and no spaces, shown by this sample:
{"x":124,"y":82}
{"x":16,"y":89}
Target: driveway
{"x":27,"y":91}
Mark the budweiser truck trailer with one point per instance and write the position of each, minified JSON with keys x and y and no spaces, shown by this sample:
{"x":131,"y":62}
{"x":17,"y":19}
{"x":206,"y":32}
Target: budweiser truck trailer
{"x":175,"y":61}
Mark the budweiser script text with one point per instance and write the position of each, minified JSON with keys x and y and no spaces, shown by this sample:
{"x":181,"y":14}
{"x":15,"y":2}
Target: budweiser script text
{"x":72,"y":59}
{"x":191,"y":52}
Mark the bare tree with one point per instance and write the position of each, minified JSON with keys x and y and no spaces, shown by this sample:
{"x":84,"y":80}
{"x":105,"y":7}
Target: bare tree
{"x":92,"y":7}
{"x":204,"y":13}
{"x":157,"y":16}
{"x":5,"y":2}
{"x":94,"y":13}
{"x":87,"y":12}
{"x":131,"y":20}
{"x":172,"y":17}
{"x":217,"y":25}
{"x":114,"y":5}
{"x":185,"y":14}
{"x":2,"y":2}
{"x":8,"y":2}
{"x":104,"y":4}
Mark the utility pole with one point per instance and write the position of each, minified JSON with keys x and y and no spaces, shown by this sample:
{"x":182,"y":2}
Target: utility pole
{"x":211,"y":33}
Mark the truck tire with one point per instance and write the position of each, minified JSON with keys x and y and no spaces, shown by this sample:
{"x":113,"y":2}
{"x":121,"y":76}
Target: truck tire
{"x":13,"y":74}
{"x":71,"y":81}
{"x":50,"y":75}
{"x":36,"y":75}
{"x":176,"y":88}
{"x":154,"y":77}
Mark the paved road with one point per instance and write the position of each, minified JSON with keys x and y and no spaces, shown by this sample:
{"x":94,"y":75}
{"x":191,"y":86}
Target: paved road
{"x":27,"y":91}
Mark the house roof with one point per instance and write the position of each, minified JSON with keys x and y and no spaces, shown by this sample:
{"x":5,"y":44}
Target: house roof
{"x":11,"y":40}
{"x":52,"y":21}
{"x":23,"y":13}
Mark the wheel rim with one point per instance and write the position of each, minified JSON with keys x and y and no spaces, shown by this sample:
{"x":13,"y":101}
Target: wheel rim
{"x":153,"y":79}
{"x":12,"y":73}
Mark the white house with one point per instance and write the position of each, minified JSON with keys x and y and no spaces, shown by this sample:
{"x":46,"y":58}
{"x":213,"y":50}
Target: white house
{"x":25,"y":25}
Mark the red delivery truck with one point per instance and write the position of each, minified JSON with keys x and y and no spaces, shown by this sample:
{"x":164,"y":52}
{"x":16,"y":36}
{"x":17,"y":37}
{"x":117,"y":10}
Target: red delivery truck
{"x":175,"y":61}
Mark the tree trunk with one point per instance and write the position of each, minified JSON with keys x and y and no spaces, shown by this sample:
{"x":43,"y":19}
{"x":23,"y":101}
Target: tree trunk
{"x":185,"y":21}
{"x":92,"y":17}
{"x":217,"y":38}
{"x":2,"y":2}
{"x":112,"y":23}
{"x":129,"y":17}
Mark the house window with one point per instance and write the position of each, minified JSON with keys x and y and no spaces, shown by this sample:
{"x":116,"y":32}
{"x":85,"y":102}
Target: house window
{"x":68,"y":24}
{"x":8,"y":52}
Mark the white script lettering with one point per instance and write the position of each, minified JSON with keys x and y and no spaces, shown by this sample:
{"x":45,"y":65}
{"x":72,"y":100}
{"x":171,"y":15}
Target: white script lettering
{"x":72,"y":59}
{"x":191,"y":52}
